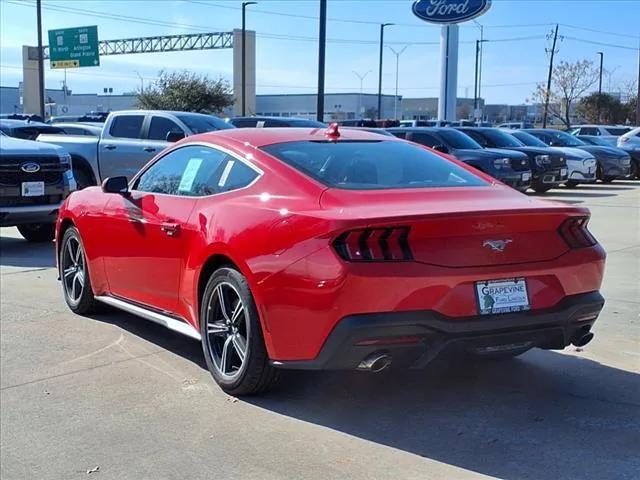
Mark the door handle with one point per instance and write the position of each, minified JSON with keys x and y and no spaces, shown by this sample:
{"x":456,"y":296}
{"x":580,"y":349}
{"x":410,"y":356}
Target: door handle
{"x":149,"y":149}
{"x":109,"y":147}
{"x":171,"y":229}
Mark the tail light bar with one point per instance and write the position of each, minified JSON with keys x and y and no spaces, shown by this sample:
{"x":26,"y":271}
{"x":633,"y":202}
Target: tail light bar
{"x":375,"y":245}
{"x":575,"y":233}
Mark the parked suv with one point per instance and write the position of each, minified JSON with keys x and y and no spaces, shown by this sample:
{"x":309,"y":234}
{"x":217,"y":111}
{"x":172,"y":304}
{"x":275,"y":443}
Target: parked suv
{"x":128,"y":141}
{"x":548,"y":167}
{"x":35,"y":178}
{"x":507,"y":166}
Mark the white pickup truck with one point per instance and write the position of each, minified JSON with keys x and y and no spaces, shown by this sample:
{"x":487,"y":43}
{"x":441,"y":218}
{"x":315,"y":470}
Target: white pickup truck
{"x":128,"y":141}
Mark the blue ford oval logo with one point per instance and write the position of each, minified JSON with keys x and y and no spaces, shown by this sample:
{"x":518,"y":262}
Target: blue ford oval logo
{"x":30,"y":167}
{"x":450,"y":11}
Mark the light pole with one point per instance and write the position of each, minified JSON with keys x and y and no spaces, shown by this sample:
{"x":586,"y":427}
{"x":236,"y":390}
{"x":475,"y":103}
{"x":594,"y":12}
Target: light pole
{"x":141,"y":81}
{"x":478,"y":80}
{"x":244,"y":53}
{"x":361,"y":77}
{"x":40,"y":59}
{"x":322,"y":45}
{"x":382,"y":25}
{"x":600,"y":84}
{"x":395,"y":100}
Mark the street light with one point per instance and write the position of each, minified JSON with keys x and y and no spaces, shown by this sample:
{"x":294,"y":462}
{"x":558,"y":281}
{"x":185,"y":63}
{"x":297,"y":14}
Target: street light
{"x":244,"y":53}
{"x":141,"y":81}
{"x":395,"y":100}
{"x":382,"y":25}
{"x":600,"y":84}
{"x":361,"y":77}
{"x":478,"y":80}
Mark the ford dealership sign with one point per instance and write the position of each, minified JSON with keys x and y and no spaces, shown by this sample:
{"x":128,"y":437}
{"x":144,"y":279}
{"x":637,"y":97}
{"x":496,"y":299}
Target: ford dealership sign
{"x":450,"y":11}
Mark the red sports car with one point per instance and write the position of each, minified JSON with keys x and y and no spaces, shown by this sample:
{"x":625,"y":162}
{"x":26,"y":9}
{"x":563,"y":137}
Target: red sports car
{"x":322,"y":249}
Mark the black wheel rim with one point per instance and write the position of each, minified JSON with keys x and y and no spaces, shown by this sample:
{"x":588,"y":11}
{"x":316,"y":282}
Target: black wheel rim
{"x":227,"y":333}
{"x":73,"y":268}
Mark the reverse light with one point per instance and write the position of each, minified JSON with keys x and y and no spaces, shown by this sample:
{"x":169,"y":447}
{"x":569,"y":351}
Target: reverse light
{"x":374,"y":245}
{"x":575,"y":233}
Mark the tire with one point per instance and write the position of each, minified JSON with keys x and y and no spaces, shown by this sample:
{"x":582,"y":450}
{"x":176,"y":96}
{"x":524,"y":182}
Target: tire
{"x":38,"y":232}
{"x":571,"y":184}
{"x":608,"y":179}
{"x":228,"y":330}
{"x":542,"y":188}
{"x":635,"y":170}
{"x":74,"y":275}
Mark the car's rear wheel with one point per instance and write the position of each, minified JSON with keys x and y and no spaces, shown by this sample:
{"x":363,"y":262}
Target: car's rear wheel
{"x":76,"y":284}
{"x":232,"y":337}
{"x":38,"y":232}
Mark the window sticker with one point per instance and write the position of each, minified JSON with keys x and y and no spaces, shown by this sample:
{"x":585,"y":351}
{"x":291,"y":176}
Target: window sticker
{"x":225,"y":173}
{"x":189,"y":175}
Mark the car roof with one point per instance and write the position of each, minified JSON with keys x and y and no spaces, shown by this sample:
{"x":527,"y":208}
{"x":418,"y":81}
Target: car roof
{"x":267,"y":136}
{"x":21,"y":123}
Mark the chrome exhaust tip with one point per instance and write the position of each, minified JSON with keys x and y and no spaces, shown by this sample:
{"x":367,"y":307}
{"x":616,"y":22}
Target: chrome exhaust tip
{"x":376,"y":362}
{"x":583,"y":340}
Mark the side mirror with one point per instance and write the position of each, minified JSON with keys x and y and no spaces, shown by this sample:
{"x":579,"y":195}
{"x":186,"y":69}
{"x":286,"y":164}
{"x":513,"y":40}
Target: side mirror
{"x":174,"y":136}
{"x":118,"y":185}
{"x":441,"y":148}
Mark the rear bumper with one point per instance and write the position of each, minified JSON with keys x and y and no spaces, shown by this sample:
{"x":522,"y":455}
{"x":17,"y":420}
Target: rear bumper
{"x":433,"y":334}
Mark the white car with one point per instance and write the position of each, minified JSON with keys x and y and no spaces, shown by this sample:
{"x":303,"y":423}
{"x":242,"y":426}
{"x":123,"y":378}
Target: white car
{"x":600,"y":130}
{"x":631,"y":138}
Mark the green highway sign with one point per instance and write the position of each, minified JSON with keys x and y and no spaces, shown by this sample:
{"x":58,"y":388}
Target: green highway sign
{"x":74,"y":47}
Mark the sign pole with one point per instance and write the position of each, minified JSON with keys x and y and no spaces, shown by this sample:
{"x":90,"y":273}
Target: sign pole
{"x":448,"y":72}
{"x":40,"y":60}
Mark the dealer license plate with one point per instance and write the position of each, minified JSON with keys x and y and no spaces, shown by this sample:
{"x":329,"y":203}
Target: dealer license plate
{"x":32,"y":189}
{"x":502,"y":296}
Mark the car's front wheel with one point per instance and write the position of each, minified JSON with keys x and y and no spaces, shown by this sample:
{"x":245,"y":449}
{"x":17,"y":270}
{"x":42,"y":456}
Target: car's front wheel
{"x":571,"y":184}
{"x":232,"y":338}
{"x":38,"y":232}
{"x":74,"y":275}
{"x":542,"y":188}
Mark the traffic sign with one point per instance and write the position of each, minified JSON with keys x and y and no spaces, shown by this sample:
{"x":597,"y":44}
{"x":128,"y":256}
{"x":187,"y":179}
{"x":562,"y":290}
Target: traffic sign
{"x":74,"y":47}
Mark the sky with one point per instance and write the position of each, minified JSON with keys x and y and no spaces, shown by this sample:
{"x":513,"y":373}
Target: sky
{"x":514,"y":59}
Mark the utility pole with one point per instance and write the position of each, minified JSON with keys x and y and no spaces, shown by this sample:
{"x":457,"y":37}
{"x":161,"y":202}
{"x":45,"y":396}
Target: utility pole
{"x":547,"y":93}
{"x":40,"y":59}
{"x":322,"y":44}
{"x":479,"y":51}
{"x":244,"y":54}
{"x":600,"y":86}
{"x":361,"y":77}
{"x":382,"y":25}
{"x":141,"y":81}
{"x":395,"y":100}
{"x":638,"y":93}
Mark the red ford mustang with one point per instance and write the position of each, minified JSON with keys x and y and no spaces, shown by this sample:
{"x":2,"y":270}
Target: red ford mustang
{"x":321,"y":249}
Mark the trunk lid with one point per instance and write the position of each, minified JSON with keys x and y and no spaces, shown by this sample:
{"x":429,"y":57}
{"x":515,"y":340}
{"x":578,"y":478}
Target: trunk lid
{"x":460,"y":227}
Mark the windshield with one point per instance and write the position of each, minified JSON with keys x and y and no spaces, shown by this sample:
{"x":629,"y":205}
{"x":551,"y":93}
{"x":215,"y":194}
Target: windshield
{"x":458,"y":140}
{"x":617,"y":131}
{"x":372,"y":165}
{"x":561,"y":139}
{"x":528,"y":139}
{"x":500,"y":139}
{"x":296,"y":122}
{"x":199,"y":123}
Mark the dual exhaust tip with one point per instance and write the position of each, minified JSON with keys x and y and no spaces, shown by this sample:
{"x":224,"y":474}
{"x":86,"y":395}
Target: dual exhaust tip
{"x":376,"y":362}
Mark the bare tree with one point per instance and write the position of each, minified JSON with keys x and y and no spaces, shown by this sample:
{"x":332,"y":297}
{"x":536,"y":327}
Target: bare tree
{"x":570,"y":81}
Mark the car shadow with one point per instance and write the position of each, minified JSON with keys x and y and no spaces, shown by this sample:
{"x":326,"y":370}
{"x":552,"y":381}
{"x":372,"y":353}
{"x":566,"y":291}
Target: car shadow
{"x":545,"y":414}
{"x":17,"y":252}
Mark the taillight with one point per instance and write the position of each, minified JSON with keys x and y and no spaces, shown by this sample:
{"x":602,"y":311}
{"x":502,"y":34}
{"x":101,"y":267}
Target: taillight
{"x":375,"y":245}
{"x":574,"y":231}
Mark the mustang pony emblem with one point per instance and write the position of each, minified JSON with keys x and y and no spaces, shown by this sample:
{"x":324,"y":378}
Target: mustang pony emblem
{"x":497,"y":245}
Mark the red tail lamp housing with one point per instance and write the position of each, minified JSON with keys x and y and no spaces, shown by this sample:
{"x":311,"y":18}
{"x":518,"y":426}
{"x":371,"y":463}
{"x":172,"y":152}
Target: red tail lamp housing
{"x":575,"y":233}
{"x":389,"y":244}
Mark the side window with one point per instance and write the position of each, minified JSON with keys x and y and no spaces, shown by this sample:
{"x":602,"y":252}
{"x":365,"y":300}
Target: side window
{"x":235,"y":175}
{"x":424,"y":139}
{"x":195,"y":171}
{"x":399,"y":134}
{"x":589,"y":131}
{"x":160,"y":127}
{"x":244,"y":123}
{"x":273,"y":123}
{"x":126,"y":126}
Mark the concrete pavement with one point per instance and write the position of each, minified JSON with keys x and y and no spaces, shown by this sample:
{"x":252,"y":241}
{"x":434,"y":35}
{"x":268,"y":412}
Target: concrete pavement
{"x":135,"y":401}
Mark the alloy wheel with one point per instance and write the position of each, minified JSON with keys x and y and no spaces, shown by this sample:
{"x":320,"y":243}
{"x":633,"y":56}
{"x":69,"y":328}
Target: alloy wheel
{"x":73,"y":269}
{"x":227,"y":330}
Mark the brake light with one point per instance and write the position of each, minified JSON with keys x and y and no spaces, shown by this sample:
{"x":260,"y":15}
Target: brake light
{"x":375,"y":245}
{"x":575,"y":233}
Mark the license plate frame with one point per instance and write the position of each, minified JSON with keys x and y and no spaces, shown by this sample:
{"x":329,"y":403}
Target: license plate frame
{"x":505,"y":295}
{"x":32,"y":189}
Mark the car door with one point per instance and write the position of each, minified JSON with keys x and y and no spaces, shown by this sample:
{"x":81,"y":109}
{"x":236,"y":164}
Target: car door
{"x":120,"y":148}
{"x":149,"y":233}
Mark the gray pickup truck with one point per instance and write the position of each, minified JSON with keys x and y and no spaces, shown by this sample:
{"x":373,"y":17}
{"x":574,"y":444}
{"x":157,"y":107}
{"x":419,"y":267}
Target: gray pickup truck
{"x":128,"y":141}
{"x":35,"y":178}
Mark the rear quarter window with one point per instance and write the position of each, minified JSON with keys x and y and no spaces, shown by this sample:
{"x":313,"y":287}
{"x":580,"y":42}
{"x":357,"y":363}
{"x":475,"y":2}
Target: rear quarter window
{"x":372,"y":165}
